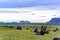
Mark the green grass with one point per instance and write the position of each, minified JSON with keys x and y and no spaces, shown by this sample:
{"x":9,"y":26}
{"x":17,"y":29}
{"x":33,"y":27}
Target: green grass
{"x":13,"y":34}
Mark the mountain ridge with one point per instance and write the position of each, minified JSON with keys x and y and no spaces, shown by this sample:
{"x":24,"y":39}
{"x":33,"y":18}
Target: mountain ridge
{"x":54,"y":20}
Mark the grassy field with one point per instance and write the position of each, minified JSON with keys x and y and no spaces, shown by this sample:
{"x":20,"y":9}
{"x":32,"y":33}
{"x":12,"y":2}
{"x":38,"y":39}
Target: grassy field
{"x":14,"y":34}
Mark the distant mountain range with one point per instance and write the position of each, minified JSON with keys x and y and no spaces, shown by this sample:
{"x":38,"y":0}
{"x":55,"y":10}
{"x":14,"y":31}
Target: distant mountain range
{"x":54,"y":20}
{"x":24,"y":22}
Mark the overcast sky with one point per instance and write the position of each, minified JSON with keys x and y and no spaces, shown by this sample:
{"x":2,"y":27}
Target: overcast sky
{"x":31,"y":10}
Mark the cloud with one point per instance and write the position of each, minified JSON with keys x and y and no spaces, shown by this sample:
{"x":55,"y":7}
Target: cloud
{"x":32,"y":14}
{"x":40,"y":15}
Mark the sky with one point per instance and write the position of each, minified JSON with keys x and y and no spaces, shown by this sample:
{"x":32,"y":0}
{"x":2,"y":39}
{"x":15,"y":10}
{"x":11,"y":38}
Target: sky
{"x":29,"y":10}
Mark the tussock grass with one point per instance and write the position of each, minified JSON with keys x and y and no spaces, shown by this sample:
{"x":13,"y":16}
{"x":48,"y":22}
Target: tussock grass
{"x":14,"y":34}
